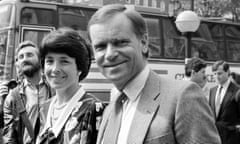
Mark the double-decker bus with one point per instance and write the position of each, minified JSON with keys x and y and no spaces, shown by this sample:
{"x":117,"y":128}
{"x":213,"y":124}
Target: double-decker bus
{"x":32,"y":19}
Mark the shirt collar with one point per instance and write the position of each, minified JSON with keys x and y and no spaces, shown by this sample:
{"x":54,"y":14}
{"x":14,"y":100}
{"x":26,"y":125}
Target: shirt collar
{"x":187,"y":78}
{"x":135,"y":86}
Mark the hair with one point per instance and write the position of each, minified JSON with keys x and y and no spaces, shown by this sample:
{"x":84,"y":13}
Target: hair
{"x":68,"y":41}
{"x":195,"y":64}
{"x":24,"y":44}
{"x":109,"y":11}
{"x":219,"y":63}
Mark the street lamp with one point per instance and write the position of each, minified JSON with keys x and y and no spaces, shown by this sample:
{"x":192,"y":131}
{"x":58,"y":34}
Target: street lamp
{"x":187,"y":22}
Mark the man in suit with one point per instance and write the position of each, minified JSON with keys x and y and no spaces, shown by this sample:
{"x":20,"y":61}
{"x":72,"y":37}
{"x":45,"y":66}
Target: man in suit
{"x":225,"y":102}
{"x":195,"y":71}
{"x":146,"y":108}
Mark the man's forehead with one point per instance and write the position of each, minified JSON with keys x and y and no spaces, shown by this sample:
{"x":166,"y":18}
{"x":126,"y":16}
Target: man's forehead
{"x":100,"y":33}
{"x":117,"y":21}
{"x":28,"y":49}
{"x":109,"y":34}
{"x":220,"y":68}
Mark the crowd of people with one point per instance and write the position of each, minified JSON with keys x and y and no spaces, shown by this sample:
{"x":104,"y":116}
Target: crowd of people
{"x":49,"y":106}
{"x":224,"y":98}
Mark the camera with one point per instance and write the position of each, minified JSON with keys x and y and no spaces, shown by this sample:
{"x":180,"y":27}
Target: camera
{"x":11,"y":84}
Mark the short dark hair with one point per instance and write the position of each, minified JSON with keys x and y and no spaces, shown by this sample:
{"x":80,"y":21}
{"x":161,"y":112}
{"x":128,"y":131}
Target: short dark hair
{"x":68,"y":41}
{"x":219,"y":63}
{"x":107,"y":12}
{"x":26,"y":44}
{"x":195,"y":64}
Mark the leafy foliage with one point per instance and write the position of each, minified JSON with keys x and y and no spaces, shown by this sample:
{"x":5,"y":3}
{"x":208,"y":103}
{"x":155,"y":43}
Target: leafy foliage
{"x":229,"y":9}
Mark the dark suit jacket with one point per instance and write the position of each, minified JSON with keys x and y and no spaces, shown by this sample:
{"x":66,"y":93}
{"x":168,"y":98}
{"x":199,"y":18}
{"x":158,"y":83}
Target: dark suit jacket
{"x":169,"y":112}
{"x":229,"y":114}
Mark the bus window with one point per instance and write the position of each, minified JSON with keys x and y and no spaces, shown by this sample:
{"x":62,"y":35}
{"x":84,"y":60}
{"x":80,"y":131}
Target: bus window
{"x":36,"y":16}
{"x":208,"y":42}
{"x":3,"y":44}
{"x":233,"y":43}
{"x":204,"y":49}
{"x":218,"y":37}
{"x":174,"y":44}
{"x":75,"y":18}
{"x":2,"y":53}
{"x":203,"y":45}
{"x":5,"y":15}
{"x":154,"y":37}
{"x":233,"y":51}
{"x":34,"y":34}
{"x":3,"y":40}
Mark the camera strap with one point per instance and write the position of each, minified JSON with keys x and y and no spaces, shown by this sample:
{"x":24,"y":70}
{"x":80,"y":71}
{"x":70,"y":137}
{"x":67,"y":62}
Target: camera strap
{"x":23,"y":114}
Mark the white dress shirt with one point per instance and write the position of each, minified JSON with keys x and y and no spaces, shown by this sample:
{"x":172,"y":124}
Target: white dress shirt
{"x":133,"y":90}
{"x":223,"y":92}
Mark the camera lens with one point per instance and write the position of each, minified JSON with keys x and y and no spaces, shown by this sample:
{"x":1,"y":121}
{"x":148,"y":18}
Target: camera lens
{"x":12,"y":84}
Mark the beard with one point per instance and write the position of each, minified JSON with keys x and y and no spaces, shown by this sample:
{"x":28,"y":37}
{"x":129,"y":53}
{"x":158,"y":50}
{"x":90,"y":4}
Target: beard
{"x":28,"y":69}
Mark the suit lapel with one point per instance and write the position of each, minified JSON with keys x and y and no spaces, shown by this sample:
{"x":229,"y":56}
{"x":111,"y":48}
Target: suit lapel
{"x":146,"y":109}
{"x":212,"y":99}
{"x":227,"y":97}
{"x":104,"y":122}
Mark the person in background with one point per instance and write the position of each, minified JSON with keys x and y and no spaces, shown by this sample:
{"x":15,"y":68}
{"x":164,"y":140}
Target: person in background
{"x":3,"y":93}
{"x":72,"y":115}
{"x":225,"y":102}
{"x":146,"y":107}
{"x":195,"y":71}
{"x":235,"y":78}
{"x":22,"y":104}
{"x":5,"y":86}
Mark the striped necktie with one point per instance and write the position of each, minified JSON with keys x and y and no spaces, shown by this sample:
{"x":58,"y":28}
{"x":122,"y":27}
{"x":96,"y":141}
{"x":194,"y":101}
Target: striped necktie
{"x":114,"y":122}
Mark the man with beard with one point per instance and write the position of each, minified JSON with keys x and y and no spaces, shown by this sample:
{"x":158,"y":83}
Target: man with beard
{"x":22,"y":105}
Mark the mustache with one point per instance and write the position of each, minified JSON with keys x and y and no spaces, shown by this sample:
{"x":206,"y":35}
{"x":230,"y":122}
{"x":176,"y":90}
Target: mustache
{"x":26,"y":63}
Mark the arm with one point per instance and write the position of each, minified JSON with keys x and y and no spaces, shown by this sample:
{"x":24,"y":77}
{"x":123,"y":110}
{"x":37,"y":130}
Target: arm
{"x":238,"y":106}
{"x":3,"y":94}
{"x":194,"y":120}
{"x":9,"y":133}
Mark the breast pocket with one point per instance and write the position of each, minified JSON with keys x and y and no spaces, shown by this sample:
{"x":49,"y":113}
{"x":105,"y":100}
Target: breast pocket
{"x":165,"y":139}
{"x":160,"y":131}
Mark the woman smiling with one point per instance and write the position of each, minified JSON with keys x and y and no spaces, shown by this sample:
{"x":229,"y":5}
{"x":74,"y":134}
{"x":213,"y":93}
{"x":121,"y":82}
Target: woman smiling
{"x":72,"y":113}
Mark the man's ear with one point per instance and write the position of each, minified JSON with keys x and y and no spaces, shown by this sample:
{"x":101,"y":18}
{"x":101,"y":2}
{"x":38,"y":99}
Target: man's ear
{"x":193,"y":72}
{"x":145,"y":43}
